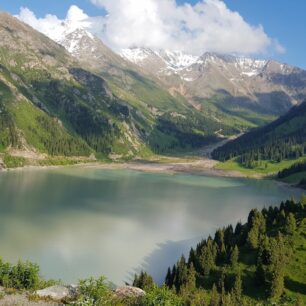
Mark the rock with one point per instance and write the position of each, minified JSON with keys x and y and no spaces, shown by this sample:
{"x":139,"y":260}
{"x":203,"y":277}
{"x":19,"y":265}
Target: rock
{"x":59,"y":292}
{"x":129,"y":291}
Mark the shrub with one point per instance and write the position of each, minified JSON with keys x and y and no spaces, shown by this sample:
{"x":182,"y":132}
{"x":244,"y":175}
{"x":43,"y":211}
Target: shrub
{"x":23,"y":275}
{"x":94,"y":292}
{"x":161,"y":297}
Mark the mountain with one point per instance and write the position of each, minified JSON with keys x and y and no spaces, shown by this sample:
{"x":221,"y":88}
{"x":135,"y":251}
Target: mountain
{"x":88,"y":103}
{"x":234,"y":83}
{"x":282,"y":139}
{"x":141,"y":74}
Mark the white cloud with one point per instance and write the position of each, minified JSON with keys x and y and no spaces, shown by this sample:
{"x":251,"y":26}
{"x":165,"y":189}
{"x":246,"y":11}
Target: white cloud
{"x":208,"y":25}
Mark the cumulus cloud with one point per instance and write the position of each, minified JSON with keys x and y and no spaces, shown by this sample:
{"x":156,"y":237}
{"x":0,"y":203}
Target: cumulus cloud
{"x":209,"y":25}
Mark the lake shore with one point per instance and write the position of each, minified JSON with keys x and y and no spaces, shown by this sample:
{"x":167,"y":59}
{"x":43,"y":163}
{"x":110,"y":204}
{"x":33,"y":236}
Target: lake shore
{"x":203,"y":166}
{"x":197,"y":167}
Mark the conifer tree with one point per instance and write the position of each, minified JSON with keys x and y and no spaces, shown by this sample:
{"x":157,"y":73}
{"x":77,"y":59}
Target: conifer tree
{"x":290,"y":224}
{"x":214,"y":298}
{"x":237,"y":290}
{"x":234,"y":256}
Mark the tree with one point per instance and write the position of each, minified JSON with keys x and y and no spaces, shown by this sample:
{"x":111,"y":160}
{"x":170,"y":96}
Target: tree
{"x":144,"y":281}
{"x":214,"y":299}
{"x":290,"y":224}
{"x":234,"y":256}
{"x":257,"y":228}
{"x":208,"y":257}
{"x":237,"y":289}
{"x":271,"y":266}
{"x":181,"y":274}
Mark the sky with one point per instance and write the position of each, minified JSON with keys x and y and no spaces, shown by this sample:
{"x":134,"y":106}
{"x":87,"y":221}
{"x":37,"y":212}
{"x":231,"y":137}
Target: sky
{"x":257,"y":28}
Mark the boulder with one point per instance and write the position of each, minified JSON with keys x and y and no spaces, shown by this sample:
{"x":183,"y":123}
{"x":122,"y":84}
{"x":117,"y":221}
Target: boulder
{"x":58,"y":292}
{"x":129,"y":291}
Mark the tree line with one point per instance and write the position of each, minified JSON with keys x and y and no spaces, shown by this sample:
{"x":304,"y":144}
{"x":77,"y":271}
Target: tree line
{"x":223,"y":269}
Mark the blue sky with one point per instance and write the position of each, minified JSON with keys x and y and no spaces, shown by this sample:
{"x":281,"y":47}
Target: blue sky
{"x":283,"y":20}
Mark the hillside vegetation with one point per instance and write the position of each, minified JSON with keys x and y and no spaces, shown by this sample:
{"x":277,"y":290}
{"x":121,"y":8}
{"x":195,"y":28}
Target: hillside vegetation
{"x":280,"y":143}
{"x":52,"y":105}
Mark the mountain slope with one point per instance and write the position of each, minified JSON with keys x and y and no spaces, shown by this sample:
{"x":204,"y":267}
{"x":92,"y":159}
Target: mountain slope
{"x":283,"y":139}
{"x":51,"y":101}
{"x":94,"y":102}
{"x":237,"y":86}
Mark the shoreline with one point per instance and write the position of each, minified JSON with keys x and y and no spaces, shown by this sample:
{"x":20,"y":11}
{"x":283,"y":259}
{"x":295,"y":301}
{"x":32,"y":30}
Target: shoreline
{"x":199,"y":167}
{"x":203,"y":166}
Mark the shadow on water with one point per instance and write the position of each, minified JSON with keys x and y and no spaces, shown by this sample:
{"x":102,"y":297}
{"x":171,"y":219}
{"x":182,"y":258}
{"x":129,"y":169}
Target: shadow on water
{"x":165,"y":255}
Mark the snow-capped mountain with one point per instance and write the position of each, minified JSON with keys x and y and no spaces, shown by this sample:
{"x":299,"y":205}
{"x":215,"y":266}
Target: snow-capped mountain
{"x":271,"y":85}
{"x":264,"y":84}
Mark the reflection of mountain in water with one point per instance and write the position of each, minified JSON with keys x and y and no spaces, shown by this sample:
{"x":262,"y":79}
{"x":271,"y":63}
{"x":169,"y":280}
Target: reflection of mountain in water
{"x":165,"y":255}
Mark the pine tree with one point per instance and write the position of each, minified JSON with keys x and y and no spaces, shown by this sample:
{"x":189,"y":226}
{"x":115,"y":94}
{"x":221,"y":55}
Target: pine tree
{"x":214,"y":299}
{"x":144,"y":281}
{"x":257,"y":228}
{"x":237,"y":290}
{"x":290,"y":224}
{"x":169,"y":279}
{"x":234,"y":256}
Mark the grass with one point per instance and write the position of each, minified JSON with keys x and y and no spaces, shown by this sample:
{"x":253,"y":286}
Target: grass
{"x":267,"y":168}
{"x":13,"y":161}
{"x":295,"y":280}
{"x":295,"y":178}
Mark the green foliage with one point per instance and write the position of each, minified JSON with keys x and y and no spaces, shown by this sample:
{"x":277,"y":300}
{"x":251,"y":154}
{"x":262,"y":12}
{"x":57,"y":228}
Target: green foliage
{"x":23,"y":275}
{"x":257,"y":228}
{"x":254,"y":255}
{"x":282,"y":139}
{"x":234,"y":257}
{"x":13,"y":161}
{"x":161,"y":297}
{"x":271,"y":265}
{"x":290,"y":225}
{"x":94,"y":292}
{"x":144,"y":281}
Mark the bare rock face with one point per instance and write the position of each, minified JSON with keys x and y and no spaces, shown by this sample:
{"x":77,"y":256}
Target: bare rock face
{"x":58,"y":292}
{"x":129,"y":291}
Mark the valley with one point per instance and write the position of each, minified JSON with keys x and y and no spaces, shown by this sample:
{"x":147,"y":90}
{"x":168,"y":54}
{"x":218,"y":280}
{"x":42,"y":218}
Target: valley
{"x":157,"y":168}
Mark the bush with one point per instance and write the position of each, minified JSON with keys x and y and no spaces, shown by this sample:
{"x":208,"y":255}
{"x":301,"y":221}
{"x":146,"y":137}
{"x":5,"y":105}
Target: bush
{"x":24,"y":275}
{"x":94,"y":292}
{"x":13,"y":161}
{"x":161,"y":297}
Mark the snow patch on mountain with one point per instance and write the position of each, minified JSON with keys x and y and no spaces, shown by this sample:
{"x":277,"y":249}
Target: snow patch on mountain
{"x":173,"y":60}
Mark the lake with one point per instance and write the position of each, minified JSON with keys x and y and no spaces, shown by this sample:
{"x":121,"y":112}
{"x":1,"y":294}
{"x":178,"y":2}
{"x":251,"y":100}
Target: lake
{"x":78,"y":222}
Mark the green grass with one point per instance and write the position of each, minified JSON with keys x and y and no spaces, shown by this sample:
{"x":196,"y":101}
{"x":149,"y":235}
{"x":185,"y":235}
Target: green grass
{"x":295,"y":280}
{"x":13,"y":161}
{"x":267,"y":167}
{"x":295,"y":178}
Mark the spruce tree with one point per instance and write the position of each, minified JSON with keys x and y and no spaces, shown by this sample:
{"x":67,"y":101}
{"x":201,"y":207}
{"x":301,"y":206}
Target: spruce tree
{"x":237,"y":289}
{"x":290,"y":224}
{"x":214,"y":298}
{"x":234,"y":257}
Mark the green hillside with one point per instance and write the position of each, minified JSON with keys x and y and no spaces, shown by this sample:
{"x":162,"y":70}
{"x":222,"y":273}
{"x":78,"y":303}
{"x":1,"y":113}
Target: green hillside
{"x":261,"y":262}
{"x":279,"y":143}
{"x":51,"y":106}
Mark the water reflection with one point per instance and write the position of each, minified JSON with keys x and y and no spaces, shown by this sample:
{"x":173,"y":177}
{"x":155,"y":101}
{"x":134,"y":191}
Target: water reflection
{"x":80,"y":222}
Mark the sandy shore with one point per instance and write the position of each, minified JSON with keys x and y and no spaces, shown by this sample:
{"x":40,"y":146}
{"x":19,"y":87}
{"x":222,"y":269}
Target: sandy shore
{"x":203,"y":166}
{"x":197,"y":167}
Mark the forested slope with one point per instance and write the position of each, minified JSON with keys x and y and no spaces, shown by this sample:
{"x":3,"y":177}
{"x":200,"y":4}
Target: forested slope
{"x":282,"y":139}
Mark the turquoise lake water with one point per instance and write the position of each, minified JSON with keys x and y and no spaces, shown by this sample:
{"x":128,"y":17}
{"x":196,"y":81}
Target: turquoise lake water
{"x":78,"y":222}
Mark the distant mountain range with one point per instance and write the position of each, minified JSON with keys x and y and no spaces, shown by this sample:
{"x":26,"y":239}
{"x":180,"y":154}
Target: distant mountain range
{"x":92,"y":103}
{"x":87,"y":100}
{"x":231,"y":89}
{"x":261,"y":85}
